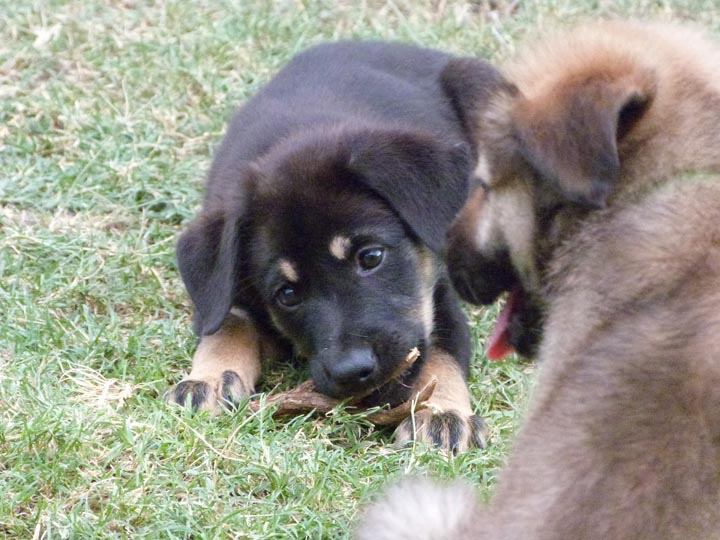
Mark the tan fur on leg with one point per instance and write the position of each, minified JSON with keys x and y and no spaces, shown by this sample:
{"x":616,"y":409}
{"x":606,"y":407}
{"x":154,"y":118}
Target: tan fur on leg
{"x":448,"y":422}
{"x":225,"y":367}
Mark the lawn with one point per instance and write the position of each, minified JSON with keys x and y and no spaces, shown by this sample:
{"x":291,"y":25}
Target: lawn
{"x":109,"y":114}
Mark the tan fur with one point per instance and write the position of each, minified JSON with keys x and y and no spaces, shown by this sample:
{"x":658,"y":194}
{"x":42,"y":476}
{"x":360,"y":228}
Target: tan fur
{"x":451,"y":395}
{"x":622,"y":437}
{"x":339,"y":247}
{"x":288,"y":270}
{"x":681,"y":130}
{"x":425,"y":312}
{"x":451,"y":392}
{"x":235,"y":348}
{"x":598,"y":65}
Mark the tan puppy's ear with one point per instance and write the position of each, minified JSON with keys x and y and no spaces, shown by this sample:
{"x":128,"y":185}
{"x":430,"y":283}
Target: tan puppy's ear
{"x":472,"y":85}
{"x":570,"y":135}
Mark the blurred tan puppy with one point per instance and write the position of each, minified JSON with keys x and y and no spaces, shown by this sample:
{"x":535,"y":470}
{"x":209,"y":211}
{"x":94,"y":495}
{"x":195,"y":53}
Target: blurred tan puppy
{"x":599,"y":211}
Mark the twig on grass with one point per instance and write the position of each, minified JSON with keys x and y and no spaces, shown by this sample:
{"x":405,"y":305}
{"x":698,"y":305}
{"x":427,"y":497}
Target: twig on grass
{"x":304,"y":398}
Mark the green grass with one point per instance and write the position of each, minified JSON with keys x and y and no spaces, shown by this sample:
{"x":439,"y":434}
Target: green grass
{"x":109,"y":112}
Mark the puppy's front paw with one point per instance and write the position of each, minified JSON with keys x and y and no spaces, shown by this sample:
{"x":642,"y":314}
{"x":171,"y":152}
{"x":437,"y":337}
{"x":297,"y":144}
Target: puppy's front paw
{"x":210,"y":393}
{"x":449,"y":430}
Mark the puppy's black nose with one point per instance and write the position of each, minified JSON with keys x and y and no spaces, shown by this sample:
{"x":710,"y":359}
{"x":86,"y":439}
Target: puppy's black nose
{"x":353,"y":367}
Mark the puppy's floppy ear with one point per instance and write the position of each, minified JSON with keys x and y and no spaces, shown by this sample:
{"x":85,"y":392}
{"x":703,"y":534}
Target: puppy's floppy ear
{"x":571,"y":136}
{"x":423,"y":179}
{"x":208,"y":254}
{"x":471,"y":84}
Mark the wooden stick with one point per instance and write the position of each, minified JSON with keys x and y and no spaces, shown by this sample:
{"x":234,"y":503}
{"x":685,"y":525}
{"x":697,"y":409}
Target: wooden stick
{"x":397,"y":414}
{"x":304,"y":399}
{"x":299,"y":400}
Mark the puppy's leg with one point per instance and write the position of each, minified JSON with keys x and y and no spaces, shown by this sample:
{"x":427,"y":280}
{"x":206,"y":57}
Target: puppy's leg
{"x":225,"y":367}
{"x":449,"y":422}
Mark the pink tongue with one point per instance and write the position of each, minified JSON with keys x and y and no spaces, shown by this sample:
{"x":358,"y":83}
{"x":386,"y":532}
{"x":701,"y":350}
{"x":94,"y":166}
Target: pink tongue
{"x":499,"y":346}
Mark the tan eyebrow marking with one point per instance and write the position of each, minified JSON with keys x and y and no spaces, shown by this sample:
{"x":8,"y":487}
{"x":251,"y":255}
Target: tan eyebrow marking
{"x":339,"y":247}
{"x":482,"y":170}
{"x":287,"y":269}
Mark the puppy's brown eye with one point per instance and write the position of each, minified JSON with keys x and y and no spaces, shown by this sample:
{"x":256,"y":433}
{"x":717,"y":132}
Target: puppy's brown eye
{"x":287,"y":296}
{"x":370,"y":258}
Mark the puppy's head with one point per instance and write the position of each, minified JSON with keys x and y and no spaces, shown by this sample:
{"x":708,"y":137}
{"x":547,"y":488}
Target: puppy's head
{"x":332,"y":239}
{"x":548,"y":154}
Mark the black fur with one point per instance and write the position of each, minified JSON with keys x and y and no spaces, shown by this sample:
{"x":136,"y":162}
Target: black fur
{"x":196,"y":391}
{"x":353,"y":139}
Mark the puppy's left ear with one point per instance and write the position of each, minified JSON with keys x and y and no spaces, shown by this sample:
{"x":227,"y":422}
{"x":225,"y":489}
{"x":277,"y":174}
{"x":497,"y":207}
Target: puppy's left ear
{"x":571,"y":137}
{"x":423,"y":179}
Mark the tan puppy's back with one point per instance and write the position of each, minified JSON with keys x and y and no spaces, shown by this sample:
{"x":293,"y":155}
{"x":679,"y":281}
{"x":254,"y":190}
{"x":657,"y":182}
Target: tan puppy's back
{"x":622,"y":439}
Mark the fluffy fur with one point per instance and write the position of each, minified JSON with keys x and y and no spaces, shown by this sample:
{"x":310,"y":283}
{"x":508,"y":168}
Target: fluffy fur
{"x":600,"y":205}
{"x":419,"y":509}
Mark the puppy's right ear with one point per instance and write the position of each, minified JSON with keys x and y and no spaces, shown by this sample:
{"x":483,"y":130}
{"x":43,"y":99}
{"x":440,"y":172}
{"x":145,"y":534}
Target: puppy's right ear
{"x":208,"y":254}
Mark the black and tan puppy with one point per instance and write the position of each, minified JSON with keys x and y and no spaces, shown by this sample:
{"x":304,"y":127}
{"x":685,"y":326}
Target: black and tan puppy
{"x":326,"y":207}
{"x":600,"y":211}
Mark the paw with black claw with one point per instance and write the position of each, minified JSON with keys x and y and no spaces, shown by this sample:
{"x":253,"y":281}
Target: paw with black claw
{"x":451,"y":431}
{"x":210,"y":393}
